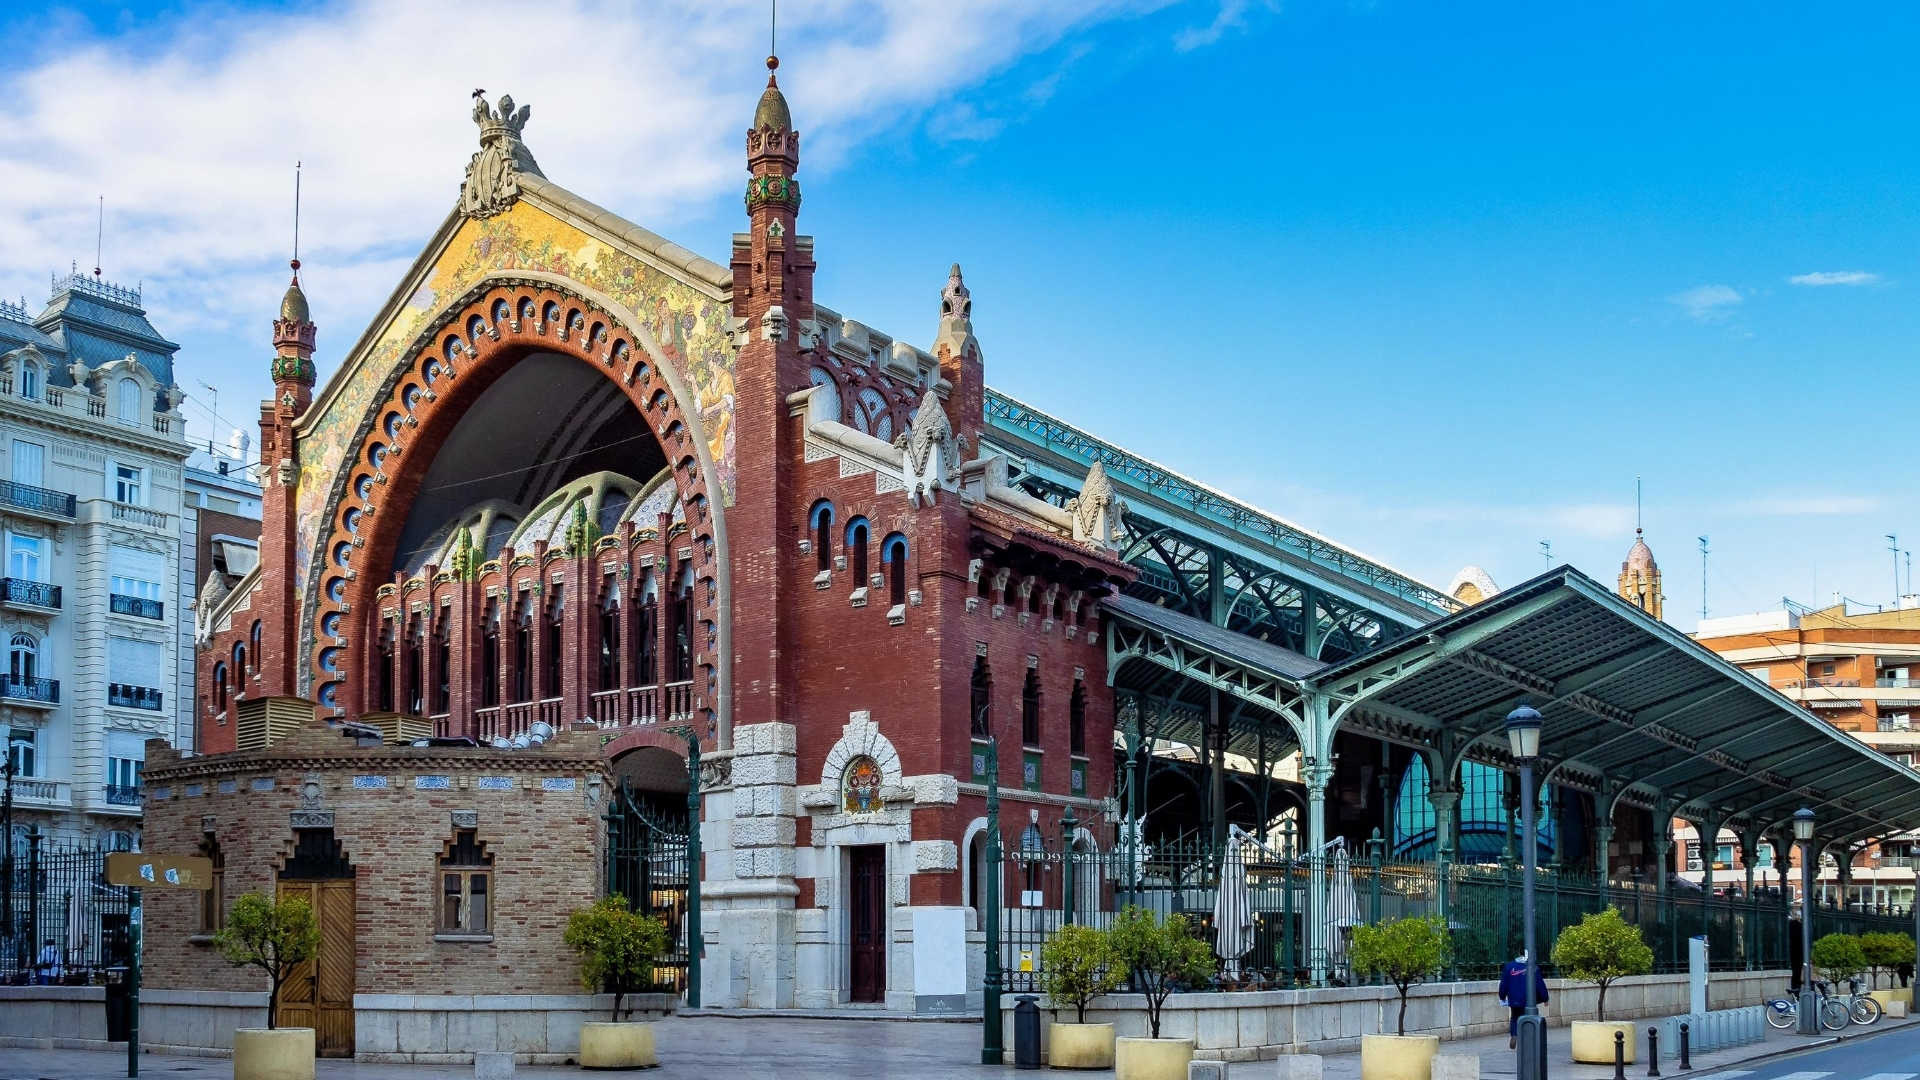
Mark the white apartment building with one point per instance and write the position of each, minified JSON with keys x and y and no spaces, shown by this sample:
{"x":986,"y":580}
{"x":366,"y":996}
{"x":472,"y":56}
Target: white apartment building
{"x":90,"y":528}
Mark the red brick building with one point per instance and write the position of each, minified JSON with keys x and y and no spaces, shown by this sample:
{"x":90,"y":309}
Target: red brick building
{"x":573,"y":472}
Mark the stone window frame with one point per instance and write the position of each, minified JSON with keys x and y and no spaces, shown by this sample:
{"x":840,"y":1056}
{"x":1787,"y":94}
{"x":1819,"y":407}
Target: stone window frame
{"x":211,"y":916}
{"x":465,"y":859}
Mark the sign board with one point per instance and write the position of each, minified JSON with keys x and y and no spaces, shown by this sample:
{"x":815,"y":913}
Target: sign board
{"x":160,"y":871}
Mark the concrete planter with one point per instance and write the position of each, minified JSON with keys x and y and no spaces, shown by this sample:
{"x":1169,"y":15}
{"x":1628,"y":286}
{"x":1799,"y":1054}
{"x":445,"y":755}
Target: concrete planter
{"x":273,"y":1054}
{"x":1888,"y":997}
{"x":617,"y":1046}
{"x":1151,"y":1059}
{"x":1080,"y":1046}
{"x":1593,"y":1040}
{"x":1397,"y":1057}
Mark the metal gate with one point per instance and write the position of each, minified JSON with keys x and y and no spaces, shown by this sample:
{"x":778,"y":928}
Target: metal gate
{"x":652,"y":856}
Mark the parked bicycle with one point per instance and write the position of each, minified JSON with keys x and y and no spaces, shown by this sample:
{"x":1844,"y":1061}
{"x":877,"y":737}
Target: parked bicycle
{"x":1861,"y":1008}
{"x":1784,"y":1012}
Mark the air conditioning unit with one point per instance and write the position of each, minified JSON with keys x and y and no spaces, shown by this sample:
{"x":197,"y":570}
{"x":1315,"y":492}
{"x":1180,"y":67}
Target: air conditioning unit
{"x":1693,"y":864}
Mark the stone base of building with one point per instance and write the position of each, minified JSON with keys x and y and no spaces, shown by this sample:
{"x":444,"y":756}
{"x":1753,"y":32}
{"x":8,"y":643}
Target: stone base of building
{"x":436,"y":1029}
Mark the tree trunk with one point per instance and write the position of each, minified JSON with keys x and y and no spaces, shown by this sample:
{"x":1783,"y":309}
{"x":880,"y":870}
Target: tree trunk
{"x":1602,"y":1011}
{"x":617,"y":995}
{"x":273,"y":1001}
{"x":1403,"y":1010}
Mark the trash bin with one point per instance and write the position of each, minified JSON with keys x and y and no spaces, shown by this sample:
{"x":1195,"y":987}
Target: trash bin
{"x":1026,"y":1032}
{"x":116,"y":1006}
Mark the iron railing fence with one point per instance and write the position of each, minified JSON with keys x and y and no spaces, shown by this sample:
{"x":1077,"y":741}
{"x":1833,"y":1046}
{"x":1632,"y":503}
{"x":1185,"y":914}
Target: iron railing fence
{"x":1046,"y":884}
{"x":60,"y":922}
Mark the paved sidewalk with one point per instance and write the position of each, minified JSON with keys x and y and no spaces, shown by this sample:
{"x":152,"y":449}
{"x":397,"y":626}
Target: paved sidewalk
{"x":784,"y":1048}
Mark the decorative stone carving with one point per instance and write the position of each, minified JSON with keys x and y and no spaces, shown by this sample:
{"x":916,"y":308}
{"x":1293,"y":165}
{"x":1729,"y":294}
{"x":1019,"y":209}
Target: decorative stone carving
{"x":493,"y":175}
{"x":1098,"y":509}
{"x":466,"y":819}
{"x":930,"y":452}
{"x":773,"y":325}
{"x":310,"y":819}
{"x":716,"y":772}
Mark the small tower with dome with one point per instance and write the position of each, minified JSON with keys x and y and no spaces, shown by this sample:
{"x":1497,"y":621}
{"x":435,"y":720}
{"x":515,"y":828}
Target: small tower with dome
{"x":1640,"y":577}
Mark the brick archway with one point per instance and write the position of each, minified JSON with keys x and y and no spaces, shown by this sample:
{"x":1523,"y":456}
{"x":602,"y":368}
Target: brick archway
{"x":449,"y":365}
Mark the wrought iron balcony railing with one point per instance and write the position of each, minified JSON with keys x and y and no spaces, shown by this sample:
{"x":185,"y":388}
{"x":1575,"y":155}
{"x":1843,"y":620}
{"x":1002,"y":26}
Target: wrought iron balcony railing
{"x":123,"y":696}
{"x":29,"y":688}
{"x":123,"y":795}
{"x":121,"y":604}
{"x":38,"y":499}
{"x":22,"y":591}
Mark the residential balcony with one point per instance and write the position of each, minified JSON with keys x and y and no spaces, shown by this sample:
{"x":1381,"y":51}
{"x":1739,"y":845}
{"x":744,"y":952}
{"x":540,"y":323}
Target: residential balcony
{"x":37,"y":596}
{"x":119,"y":513}
{"x":77,"y":401}
{"x":37,"y":501}
{"x":123,"y":795}
{"x":1834,"y":691}
{"x":137,"y":606}
{"x":38,"y":792}
{"x":1897,"y":860}
{"x":29,"y":690}
{"x":122,"y":696}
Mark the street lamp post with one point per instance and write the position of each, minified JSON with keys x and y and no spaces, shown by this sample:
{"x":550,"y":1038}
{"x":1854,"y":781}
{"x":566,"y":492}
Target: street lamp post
{"x":1523,"y":739}
{"x":1809,"y":1013}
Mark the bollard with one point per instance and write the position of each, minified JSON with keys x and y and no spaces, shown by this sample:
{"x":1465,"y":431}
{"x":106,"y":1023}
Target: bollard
{"x":1026,"y":1033}
{"x":1653,"y":1051}
{"x":1685,"y":1062}
{"x":1619,"y":1055}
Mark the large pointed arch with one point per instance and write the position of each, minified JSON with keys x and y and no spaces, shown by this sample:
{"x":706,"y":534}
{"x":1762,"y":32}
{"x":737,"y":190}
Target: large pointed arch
{"x":473,"y":341}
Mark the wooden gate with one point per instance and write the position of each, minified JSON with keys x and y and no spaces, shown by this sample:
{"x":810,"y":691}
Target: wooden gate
{"x":319,"y":994}
{"x":867,"y":922}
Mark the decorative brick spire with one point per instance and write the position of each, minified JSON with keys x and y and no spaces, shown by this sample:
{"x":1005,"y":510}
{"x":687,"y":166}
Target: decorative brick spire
{"x":293,"y":338}
{"x":959,"y":355}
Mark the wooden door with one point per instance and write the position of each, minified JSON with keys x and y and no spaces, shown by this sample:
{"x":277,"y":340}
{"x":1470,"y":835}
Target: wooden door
{"x":867,"y":922}
{"x":319,"y":994}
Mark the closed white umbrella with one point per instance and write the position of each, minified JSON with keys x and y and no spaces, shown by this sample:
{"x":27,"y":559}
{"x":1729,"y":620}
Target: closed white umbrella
{"x":1343,"y":906}
{"x":1232,"y":909}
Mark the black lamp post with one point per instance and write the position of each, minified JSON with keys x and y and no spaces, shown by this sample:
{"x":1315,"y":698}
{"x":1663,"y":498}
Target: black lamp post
{"x":1523,"y":740}
{"x":1809,"y":1001}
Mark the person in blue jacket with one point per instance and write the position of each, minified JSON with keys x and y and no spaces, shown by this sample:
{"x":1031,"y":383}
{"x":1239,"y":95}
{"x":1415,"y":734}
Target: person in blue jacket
{"x":1513,"y":994}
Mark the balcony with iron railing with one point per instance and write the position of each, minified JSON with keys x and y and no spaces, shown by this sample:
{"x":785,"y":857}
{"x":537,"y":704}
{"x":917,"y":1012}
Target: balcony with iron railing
{"x":21,"y":592}
{"x":124,"y":696}
{"x":137,"y":606}
{"x":29,"y":690}
{"x":123,"y":794}
{"x":44,"y":502}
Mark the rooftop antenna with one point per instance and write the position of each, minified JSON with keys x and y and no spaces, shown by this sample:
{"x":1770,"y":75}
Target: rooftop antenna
{"x":1893,"y":545}
{"x":1546,"y":552}
{"x":296,"y":221}
{"x":773,"y":36}
{"x":1703,"y":578}
{"x":1636,"y":506}
{"x":99,"y":236}
{"x":214,"y":409}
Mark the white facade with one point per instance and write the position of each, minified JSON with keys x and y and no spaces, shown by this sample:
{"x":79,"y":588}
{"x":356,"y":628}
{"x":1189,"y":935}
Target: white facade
{"x":92,"y":445}
{"x":215,"y":484}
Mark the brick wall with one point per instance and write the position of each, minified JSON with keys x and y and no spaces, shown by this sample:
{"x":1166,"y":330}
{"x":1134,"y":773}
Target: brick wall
{"x":547,"y":847}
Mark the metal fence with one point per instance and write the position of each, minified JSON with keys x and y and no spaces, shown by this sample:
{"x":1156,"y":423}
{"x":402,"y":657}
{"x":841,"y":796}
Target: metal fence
{"x":60,"y":922}
{"x":1046,"y":883}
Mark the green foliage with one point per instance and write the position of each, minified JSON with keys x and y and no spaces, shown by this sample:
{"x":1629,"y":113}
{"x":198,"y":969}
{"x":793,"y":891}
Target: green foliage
{"x":1077,"y":966}
{"x":275,"y":936}
{"x":1601,"y":948}
{"x":617,"y":948}
{"x":1885,"y":950}
{"x":1160,"y":957}
{"x":1403,"y":952}
{"x":1838,"y":957}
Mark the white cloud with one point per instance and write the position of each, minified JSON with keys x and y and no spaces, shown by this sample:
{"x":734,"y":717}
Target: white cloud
{"x":191,"y":126}
{"x":1706,"y":303}
{"x":1835,"y":277}
{"x":1231,"y":16}
{"x":1789,"y":505}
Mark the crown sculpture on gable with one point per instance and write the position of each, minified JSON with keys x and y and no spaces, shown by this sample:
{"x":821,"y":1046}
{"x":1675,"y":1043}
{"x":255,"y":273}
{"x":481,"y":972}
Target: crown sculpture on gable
{"x":493,"y":175}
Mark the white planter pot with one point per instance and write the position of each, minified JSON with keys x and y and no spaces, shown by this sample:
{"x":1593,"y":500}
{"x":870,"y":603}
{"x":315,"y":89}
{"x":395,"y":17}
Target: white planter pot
{"x":1080,"y":1046}
{"x":1397,"y":1057}
{"x":273,"y":1054}
{"x":617,"y":1046}
{"x":1593,"y":1040}
{"x":1151,"y":1059}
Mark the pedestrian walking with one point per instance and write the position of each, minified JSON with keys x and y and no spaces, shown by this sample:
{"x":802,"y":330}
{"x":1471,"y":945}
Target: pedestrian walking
{"x":1513,"y":994}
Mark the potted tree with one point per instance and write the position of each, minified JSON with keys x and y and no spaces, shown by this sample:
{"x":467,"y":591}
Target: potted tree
{"x":1159,"y":957}
{"x":1599,"y":949}
{"x":276,"y":936}
{"x":1889,"y":951}
{"x":1404,"y":952}
{"x":1837,"y":958}
{"x":1077,"y":966}
{"x":617,"y":949}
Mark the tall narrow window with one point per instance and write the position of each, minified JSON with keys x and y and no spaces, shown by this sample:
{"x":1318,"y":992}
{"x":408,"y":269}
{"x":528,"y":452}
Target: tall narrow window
{"x":219,"y":687}
{"x":893,"y":556}
{"x":523,"y":654}
{"x":680,"y":616}
{"x":29,"y":381}
{"x":127,"y":484}
{"x":555,"y":610}
{"x":240,"y":668}
{"x":981,"y":702}
{"x":646,"y":633}
{"x":23,"y":658}
{"x":823,"y":535}
{"x":1077,"y":719}
{"x":466,"y":872}
{"x":490,"y":661}
{"x":984,"y":587}
{"x":386,"y":665}
{"x":857,"y":551}
{"x":213,"y":899}
{"x":29,"y":462}
{"x":129,"y":401}
{"x":253,"y":639}
{"x":1030,"y":709}
{"x":23,"y":557}
{"x":609,"y":637}
{"x":23,"y":751}
{"x":416,"y":675}
{"x":443,"y":661}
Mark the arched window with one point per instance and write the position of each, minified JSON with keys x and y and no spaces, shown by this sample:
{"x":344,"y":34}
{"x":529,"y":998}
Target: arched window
{"x":871,"y":415}
{"x":1077,"y":719}
{"x":23,"y":659}
{"x":981,"y":702}
{"x":1030,"y":709}
{"x":826,"y":400}
{"x":386,"y":665}
{"x":550,"y":683}
{"x":609,"y":652}
{"x":416,"y":676}
{"x":976,"y":872}
{"x":857,"y":551}
{"x":893,"y":556}
{"x":121,"y":840}
{"x":821,"y":519}
{"x":646,"y":632}
{"x":220,"y":687}
{"x":443,"y":661}
{"x":523,"y":652}
{"x":128,"y":405}
{"x":30,"y":381}
{"x":253,"y":639}
{"x":239,"y":663}
{"x":680,"y":616}
{"x":490,"y":659}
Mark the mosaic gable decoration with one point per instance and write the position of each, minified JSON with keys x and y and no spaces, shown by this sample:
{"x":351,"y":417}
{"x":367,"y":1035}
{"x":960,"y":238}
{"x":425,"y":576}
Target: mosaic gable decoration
{"x":860,"y":786}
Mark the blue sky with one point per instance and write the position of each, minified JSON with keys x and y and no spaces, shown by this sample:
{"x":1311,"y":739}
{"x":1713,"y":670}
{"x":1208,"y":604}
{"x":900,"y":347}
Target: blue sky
{"x":1435,"y":280}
